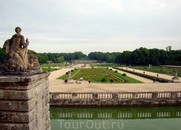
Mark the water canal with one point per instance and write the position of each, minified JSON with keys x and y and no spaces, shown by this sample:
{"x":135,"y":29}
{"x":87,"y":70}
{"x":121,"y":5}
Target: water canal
{"x":116,"y":118}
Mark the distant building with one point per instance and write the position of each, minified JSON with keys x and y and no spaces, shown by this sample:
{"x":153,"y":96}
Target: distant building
{"x":49,"y":62}
{"x":85,"y":61}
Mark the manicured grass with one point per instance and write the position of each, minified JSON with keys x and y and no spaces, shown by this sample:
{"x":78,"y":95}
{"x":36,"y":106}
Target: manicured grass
{"x":126,"y":78}
{"x":158,"y":69}
{"x":96,"y":75}
{"x":159,"y":79}
{"x":99,"y":75}
{"x":65,"y":76}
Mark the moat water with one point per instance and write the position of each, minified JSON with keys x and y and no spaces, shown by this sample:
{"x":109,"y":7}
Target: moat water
{"x":116,"y":118}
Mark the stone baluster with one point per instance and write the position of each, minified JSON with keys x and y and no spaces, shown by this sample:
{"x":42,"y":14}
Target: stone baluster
{"x":174,"y":95}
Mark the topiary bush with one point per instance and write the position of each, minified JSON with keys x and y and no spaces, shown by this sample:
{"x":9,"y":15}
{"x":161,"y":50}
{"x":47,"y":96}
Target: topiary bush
{"x":123,"y":74}
{"x":104,"y":80}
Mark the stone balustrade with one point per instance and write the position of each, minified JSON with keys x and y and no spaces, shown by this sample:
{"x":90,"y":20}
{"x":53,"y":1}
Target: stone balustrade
{"x":115,"y":98}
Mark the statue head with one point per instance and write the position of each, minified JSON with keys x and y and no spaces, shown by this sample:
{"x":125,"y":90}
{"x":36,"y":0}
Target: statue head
{"x":17,"y":29}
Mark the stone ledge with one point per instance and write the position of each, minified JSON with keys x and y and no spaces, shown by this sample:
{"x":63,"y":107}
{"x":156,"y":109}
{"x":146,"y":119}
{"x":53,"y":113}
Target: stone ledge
{"x":23,"y":78}
{"x":23,"y":106}
{"x":22,"y":94}
{"x":13,"y":126}
{"x":43,"y":78}
{"x":17,"y":117}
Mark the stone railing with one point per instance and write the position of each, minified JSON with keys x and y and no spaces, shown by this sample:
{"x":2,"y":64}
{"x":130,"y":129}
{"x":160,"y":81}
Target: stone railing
{"x":114,"y":98}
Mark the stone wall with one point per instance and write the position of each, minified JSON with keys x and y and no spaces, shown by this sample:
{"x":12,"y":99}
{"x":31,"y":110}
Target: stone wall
{"x":115,"y":99}
{"x":24,"y":102}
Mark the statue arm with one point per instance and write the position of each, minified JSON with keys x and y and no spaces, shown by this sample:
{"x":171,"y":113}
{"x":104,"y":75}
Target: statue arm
{"x":23,"y":43}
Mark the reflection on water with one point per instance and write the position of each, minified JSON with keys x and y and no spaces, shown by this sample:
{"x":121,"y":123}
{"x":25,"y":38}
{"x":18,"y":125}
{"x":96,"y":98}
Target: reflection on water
{"x":116,"y":118}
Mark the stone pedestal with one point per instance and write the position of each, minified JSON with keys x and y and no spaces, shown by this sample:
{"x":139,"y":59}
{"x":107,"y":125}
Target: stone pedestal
{"x":24,"y":102}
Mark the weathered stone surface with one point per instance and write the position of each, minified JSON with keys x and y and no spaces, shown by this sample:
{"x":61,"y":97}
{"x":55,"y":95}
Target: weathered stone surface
{"x":19,"y":106}
{"x":13,"y":126}
{"x":20,"y":117}
{"x":22,"y":79}
{"x":23,"y":82}
{"x":24,"y":102}
{"x":14,"y":94}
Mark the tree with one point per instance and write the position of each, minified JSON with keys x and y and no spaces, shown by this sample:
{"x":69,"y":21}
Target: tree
{"x":78,"y":55}
{"x":42,"y":57}
{"x":60,"y":59}
{"x":154,"y":57}
{"x":31,"y":52}
{"x":2,"y":55}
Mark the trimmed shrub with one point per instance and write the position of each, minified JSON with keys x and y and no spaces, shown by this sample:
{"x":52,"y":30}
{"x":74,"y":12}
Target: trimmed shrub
{"x":104,"y":80}
{"x":115,"y":71}
{"x":123,"y":74}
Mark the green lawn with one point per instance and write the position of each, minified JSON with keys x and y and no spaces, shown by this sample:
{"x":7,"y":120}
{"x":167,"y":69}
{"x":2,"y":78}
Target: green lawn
{"x":99,"y":75}
{"x":65,"y":76}
{"x":128,"y":79}
{"x":162,"y":70}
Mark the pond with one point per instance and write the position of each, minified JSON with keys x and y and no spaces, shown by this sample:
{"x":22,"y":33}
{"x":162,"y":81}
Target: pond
{"x":116,"y":118}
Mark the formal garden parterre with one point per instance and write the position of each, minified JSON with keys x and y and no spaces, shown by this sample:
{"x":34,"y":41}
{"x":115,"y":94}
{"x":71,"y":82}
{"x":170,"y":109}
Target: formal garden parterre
{"x":103,"y":75}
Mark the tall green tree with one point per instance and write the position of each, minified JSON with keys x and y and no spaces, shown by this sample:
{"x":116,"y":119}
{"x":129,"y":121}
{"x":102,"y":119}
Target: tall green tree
{"x":42,"y":57}
{"x":2,"y":55}
{"x":60,"y":59}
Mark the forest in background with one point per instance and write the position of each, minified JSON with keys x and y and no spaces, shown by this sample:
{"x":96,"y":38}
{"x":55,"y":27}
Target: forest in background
{"x":140,"y":56}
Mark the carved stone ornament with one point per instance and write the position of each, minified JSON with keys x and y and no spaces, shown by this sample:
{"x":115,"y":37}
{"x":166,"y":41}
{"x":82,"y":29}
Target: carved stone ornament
{"x":17,"y":60}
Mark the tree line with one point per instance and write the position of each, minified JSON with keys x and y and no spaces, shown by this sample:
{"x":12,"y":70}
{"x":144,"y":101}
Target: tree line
{"x":144,"y":56}
{"x":140,"y":56}
{"x":53,"y":57}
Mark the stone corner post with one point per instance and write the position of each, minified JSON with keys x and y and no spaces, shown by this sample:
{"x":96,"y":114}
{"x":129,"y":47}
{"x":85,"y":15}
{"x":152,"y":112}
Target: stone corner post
{"x":24,"y":102}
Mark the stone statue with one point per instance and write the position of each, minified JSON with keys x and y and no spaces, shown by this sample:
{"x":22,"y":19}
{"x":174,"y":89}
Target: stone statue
{"x":17,"y":59}
{"x":175,"y":75}
{"x":69,"y":76}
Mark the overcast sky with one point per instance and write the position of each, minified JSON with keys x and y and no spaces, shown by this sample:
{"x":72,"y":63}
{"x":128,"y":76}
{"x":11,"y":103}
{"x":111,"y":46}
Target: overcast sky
{"x":93,"y":25}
